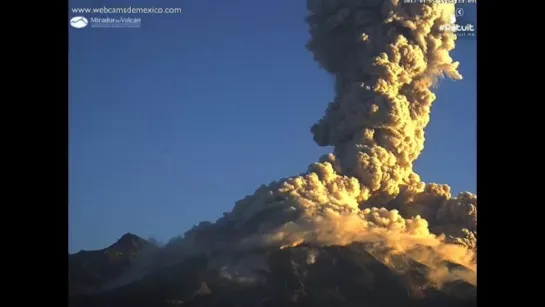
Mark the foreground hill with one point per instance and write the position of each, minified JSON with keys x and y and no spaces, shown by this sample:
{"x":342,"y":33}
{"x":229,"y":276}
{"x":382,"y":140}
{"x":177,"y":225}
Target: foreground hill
{"x":89,"y":271}
{"x":299,"y":276}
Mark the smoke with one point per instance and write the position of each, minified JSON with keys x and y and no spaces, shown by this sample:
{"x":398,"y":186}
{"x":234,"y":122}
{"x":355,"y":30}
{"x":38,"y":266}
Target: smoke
{"x":386,"y":56}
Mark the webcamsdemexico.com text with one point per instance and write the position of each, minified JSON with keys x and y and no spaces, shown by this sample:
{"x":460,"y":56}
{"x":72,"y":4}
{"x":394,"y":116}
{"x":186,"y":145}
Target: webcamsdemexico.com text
{"x":128,"y":10}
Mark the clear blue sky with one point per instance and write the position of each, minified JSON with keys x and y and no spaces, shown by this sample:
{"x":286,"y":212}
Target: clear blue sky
{"x":171,"y":123}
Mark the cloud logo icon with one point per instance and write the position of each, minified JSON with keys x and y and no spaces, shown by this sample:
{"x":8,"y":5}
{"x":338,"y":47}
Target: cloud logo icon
{"x":78,"y":22}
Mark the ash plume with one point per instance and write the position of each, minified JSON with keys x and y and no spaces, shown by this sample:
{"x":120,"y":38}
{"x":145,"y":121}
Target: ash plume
{"x":386,"y":56}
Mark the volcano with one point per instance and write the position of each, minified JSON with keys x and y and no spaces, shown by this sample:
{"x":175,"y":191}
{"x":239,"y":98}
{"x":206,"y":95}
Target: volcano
{"x":359,"y":227}
{"x":299,"y":276}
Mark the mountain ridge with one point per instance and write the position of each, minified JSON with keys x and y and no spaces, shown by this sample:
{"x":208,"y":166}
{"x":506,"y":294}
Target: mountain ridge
{"x":298,"y":276}
{"x":90,"y":270}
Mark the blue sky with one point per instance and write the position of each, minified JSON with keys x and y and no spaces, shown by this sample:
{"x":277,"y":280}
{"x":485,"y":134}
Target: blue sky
{"x":172,"y":122}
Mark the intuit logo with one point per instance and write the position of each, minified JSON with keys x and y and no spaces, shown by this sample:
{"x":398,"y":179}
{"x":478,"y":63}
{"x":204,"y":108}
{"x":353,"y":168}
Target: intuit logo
{"x":457,"y":28}
{"x":467,"y":29}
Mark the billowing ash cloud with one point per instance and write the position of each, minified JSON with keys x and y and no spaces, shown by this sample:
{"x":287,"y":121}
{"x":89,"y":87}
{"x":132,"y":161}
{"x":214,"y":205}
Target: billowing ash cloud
{"x":385,"y":56}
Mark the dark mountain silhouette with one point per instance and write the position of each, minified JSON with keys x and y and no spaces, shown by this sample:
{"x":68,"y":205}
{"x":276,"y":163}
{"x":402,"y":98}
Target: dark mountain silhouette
{"x":89,"y":271}
{"x":336,"y":276}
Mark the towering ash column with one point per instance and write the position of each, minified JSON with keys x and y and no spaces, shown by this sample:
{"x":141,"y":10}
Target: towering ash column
{"x":385,"y":55}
